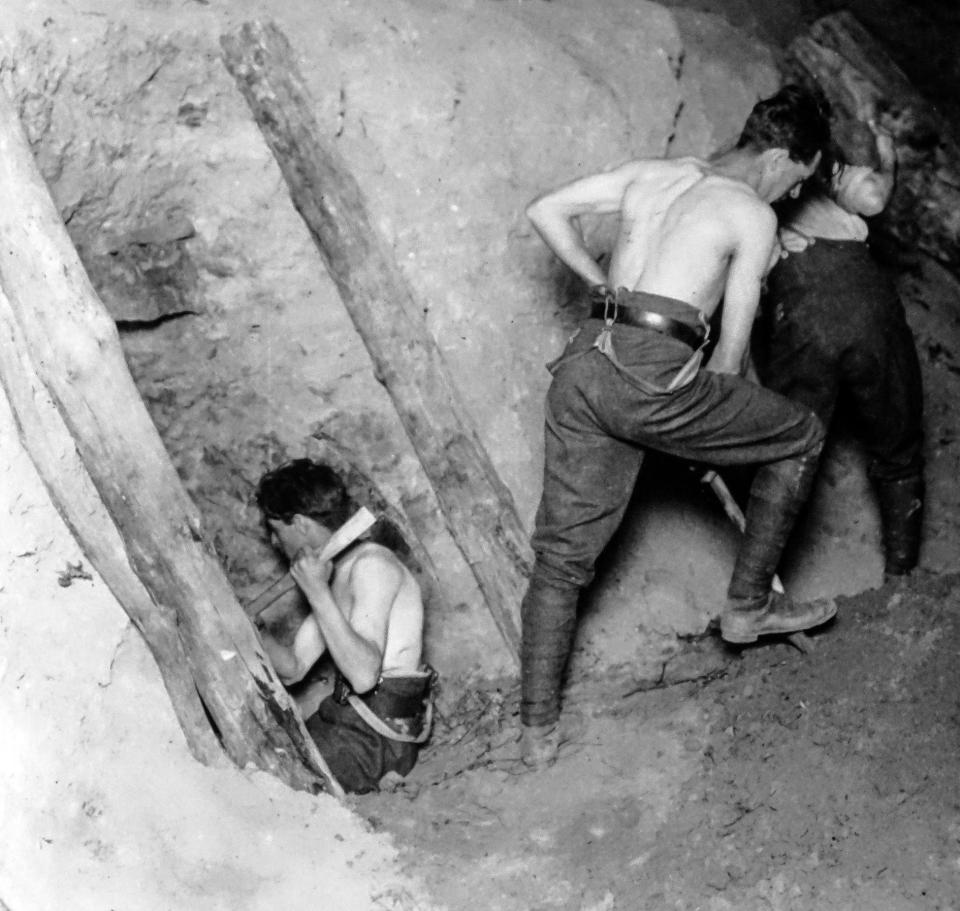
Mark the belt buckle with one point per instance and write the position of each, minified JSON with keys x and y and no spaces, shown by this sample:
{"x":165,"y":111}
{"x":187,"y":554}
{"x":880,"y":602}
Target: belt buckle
{"x":705,"y":325}
{"x":341,"y":690}
{"x":610,"y":297}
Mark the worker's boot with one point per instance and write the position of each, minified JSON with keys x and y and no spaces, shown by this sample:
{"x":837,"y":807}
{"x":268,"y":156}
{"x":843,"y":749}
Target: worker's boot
{"x":549,"y":616}
{"x":777,"y":615}
{"x":779,"y":491}
{"x":901,"y":517}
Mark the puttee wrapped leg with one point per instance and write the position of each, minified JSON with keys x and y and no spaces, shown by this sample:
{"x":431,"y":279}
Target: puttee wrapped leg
{"x":549,"y":616}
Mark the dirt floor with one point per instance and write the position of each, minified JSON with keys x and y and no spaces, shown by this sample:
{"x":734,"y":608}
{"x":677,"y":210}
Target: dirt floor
{"x":776,"y":780}
{"x":747,"y":779}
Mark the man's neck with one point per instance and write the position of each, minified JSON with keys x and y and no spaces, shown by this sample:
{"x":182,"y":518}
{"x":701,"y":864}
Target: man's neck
{"x":739,"y":164}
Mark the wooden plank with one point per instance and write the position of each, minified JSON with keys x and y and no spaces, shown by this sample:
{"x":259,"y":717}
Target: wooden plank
{"x":478,"y":508}
{"x":70,"y":358}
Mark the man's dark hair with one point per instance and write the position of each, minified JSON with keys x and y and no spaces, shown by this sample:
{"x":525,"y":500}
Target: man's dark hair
{"x":795,"y":118}
{"x":303,"y":487}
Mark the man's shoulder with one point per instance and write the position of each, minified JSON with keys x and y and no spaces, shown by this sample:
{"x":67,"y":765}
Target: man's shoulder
{"x":738,"y":198}
{"x":369,"y":557}
{"x":644,"y":166}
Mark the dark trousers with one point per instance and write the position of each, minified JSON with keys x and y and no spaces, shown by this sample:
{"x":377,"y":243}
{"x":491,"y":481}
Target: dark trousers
{"x":359,"y":756}
{"x":601,"y":417}
{"x":835,"y":329}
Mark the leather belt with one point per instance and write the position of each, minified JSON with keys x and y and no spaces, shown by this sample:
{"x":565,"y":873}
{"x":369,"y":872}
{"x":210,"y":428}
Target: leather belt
{"x":647,"y":319}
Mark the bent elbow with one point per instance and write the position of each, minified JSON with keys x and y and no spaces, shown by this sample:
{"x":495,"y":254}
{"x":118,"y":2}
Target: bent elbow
{"x":536,"y":212}
{"x":292,"y":673}
{"x":531,"y":213}
{"x":363,"y":682}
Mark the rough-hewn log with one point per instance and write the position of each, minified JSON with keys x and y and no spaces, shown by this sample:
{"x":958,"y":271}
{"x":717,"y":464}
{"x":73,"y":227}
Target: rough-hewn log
{"x":47,"y":439}
{"x":67,"y":381}
{"x":478,"y":508}
{"x":858,"y":77}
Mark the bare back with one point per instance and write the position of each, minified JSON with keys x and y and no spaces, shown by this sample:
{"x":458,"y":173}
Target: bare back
{"x":404,"y":637}
{"x":681,"y":227}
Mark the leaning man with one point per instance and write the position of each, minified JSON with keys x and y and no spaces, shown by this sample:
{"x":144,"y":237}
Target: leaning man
{"x":366,"y":611}
{"x":691,"y":233}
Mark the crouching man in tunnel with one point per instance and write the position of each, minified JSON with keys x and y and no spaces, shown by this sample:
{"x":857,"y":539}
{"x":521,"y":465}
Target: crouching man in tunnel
{"x":691,"y":232}
{"x":366,"y":611}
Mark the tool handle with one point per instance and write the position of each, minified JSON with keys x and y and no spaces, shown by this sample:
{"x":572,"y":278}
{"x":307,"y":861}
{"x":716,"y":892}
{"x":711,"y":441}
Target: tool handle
{"x":359,"y":523}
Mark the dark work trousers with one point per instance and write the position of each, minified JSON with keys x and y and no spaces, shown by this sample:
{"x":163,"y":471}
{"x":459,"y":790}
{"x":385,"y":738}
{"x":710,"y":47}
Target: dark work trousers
{"x":359,"y":756}
{"x":835,"y":327}
{"x":600,"y":418}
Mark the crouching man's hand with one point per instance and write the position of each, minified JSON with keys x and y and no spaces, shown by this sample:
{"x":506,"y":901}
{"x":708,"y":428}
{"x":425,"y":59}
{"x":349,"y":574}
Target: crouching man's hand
{"x":311,"y":572}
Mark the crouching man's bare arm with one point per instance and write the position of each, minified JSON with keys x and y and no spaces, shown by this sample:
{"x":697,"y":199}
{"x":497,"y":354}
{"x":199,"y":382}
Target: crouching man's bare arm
{"x":355,"y":631}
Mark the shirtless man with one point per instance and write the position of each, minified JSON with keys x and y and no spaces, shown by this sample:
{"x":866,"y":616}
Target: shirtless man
{"x":366,"y":611}
{"x":692,"y":233}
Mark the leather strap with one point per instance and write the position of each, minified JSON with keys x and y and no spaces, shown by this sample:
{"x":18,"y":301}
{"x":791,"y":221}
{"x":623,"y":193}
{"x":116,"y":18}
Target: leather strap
{"x":384,"y":729}
{"x":646,"y":319}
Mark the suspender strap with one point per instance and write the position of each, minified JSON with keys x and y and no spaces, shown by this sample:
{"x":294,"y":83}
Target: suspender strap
{"x":384,"y":729}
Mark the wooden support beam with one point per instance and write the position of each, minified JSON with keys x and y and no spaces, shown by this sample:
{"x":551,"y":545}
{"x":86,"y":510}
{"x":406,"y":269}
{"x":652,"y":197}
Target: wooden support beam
{"x":478,"y":508}
{"x":858,"y":76}
{"x":83,"y":423}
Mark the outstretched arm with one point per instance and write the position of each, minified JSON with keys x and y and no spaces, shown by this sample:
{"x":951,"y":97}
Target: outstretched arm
{"x":553,"y":215}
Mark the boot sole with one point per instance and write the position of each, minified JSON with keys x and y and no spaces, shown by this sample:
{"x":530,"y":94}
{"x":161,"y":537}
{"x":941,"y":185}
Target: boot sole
{"x":751,"y":631}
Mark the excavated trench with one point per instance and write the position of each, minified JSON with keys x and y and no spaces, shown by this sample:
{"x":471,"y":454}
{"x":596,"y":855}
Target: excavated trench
{"x":685,"y":775}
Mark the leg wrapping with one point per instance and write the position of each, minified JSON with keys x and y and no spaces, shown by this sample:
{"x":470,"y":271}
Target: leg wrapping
{"x":549,"y":616}
{"x":778,"y":492}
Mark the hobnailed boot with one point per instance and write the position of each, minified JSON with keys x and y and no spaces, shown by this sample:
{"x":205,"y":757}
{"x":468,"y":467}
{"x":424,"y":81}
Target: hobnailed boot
{"x":549,"y":618}
{"x":753,"y":609}
{"x":901,"y":516}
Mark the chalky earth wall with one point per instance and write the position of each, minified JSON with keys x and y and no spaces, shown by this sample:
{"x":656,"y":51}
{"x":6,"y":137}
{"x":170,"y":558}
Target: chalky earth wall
{"x":451,"y":117}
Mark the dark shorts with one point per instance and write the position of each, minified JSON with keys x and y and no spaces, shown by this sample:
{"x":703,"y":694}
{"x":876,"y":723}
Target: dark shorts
{"x":359,"y":756}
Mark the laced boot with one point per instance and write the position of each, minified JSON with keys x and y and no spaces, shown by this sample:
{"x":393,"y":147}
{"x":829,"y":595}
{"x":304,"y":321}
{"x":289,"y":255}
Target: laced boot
{"x":901,"y":516}
{"x":776,"y":615}
{"x":549,"y":617}
{"x":753,"y":609}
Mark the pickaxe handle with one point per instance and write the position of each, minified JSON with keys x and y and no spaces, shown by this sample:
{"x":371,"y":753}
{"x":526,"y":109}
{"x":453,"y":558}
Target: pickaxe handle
{"x":359,"y":523}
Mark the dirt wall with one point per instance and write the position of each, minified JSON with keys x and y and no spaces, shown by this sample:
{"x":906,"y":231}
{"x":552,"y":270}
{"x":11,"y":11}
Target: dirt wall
{"x":453,"y":116}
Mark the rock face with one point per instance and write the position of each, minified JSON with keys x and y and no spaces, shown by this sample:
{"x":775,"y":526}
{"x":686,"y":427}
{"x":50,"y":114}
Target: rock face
{"x":453,"y":116}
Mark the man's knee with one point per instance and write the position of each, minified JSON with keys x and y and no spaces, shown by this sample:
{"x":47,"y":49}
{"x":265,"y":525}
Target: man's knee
{"x":559,"y":571}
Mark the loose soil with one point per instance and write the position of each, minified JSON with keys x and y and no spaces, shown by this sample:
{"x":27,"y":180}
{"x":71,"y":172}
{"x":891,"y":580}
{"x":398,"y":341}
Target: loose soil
{"x":775,"y":781}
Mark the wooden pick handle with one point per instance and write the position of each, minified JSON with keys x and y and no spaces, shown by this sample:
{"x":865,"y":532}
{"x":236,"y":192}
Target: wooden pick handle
{"x":359,"y":523}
